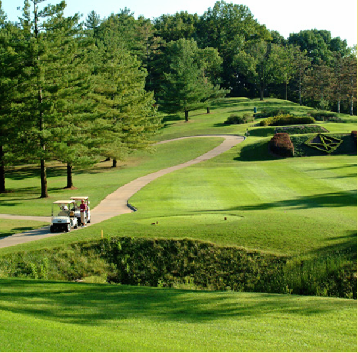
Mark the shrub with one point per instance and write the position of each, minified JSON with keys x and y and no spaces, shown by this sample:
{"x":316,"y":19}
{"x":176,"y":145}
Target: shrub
{"x":265,"y":113}
{"x":281,"y":144}
{"x":236,"y":119}
{"x":287,"y":119}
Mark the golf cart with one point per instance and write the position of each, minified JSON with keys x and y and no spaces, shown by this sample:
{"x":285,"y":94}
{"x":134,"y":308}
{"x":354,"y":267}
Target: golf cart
{"x":78,"y":200}
{"x":63,"y":216}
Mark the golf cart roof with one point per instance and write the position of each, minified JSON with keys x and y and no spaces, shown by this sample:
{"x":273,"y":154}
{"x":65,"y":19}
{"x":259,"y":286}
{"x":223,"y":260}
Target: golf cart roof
{"x":79,"y":198}
{"x":63,"y":202}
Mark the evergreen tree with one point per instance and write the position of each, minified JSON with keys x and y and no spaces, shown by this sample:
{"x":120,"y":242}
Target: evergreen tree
{"x":186,"y":85}
{"x":126,"y":117}
{"x":48,"y":49}
{"x":93,"y":21}
{"x":7,"y":84}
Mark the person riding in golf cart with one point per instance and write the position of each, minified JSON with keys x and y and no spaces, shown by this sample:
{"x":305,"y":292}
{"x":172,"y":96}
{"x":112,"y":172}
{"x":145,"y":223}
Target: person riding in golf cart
{"x":63,"y":218}
{"x":82,"y":209}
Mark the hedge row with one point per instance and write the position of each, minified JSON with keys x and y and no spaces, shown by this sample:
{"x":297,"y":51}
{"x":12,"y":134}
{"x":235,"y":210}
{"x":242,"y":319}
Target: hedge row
{"x":301,"y":129}
{"x":325,"y":116}
{"x":281,"y":145}
{"x":287,"y":119}
{"x":236,"y":119}
{"x":265,"y":113}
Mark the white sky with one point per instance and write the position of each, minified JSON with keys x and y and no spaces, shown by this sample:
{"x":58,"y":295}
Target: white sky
{"x":284,"y":16}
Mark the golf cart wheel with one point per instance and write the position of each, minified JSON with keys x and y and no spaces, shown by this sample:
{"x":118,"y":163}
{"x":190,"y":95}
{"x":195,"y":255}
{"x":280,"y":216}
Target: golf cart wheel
{"x":52,"y":229}
{"x":68,"y":228}
{"x":75,"y":227}
{"x":89,"y":221}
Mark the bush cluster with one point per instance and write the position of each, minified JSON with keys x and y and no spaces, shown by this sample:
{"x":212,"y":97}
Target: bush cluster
{"x":236,"y":119}
{"x":287,"y":119}
{"x":282,"y":145}
{"x":266,"y":113}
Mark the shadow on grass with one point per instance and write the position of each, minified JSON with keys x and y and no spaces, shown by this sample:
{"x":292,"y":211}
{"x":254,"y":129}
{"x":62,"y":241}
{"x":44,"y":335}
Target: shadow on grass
{"x":30,"y":232}
{"x":335,"y":199}
{"x":233,"y":102}
{"x":90,"y":304}
{"x":256,"y":152}
{"x":347,"y":247}
{"x":350,"y":165}
{"x":262,"y":131}
{"x":29,"y":172}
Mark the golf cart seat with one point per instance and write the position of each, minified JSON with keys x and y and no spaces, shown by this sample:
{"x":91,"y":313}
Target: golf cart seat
{"x":63,"y":213}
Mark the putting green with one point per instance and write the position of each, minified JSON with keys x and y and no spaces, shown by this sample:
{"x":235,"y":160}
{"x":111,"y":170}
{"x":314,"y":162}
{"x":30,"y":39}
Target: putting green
{"x":191,"y":220}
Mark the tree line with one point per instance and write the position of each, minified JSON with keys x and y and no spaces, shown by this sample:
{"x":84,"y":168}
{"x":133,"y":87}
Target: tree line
{"x":76,"y":91}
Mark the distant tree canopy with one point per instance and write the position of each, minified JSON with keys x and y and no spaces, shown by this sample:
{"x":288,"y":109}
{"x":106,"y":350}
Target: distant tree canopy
{"x":77,"y":91}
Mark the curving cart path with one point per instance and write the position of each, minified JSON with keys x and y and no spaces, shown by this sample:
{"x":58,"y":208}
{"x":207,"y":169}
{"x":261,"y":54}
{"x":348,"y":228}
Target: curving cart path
{"x":116,"y":203}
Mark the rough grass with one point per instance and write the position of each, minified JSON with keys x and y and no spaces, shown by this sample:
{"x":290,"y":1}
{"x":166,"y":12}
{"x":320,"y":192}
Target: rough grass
{"x":54,"y":316}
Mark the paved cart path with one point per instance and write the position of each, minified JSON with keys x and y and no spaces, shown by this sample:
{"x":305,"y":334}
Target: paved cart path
{"x":116,"y":203}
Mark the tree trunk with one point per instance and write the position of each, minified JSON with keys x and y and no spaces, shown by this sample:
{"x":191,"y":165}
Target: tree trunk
{"x":285,"y":90}
{"x":69,"y":176}
{"x":207,"y":110}
{"x":114,"y":165}
{"x":2,"y":171}
{"x":186,"y":115}
{"x":43,"y":179}
{"x":262,"y":88}
{"x":338,"y":106}
{"x":351,"y":107}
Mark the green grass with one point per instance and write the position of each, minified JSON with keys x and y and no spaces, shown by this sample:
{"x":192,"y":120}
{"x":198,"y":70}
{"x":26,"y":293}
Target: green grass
{"x":24,"y":183}
{"x":12,"y":226}
{"x":285,"y":206}
{"x":55,"y":316}
{"x":300,"y":207}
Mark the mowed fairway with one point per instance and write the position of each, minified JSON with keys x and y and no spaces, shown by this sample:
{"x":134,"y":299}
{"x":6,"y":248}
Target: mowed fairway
{"x":285,"y":206}
{"x":55,"y":316}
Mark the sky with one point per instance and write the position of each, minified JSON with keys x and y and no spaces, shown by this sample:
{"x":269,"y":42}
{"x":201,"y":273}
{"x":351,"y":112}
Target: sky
{"x":284,"y":16}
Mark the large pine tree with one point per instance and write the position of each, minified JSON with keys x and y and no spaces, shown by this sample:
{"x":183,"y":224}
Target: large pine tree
{"x":126,"y":117}
{"x":187,"y":84}
{"x":49,"y":50}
